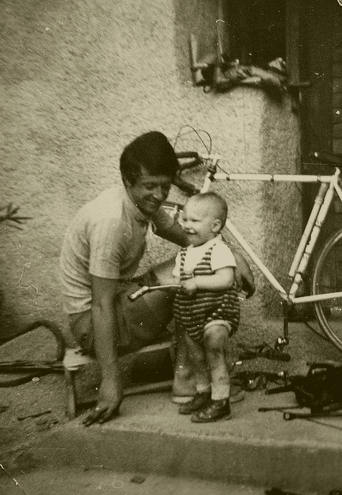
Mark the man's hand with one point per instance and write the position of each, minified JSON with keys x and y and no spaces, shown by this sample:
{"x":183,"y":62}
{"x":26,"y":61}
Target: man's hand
{"x":189,"y":286}
{"x":243,"y":275}
{"x":108,"y":404}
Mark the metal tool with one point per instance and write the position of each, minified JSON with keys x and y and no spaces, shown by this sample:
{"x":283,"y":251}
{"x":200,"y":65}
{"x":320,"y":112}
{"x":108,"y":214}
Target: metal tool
{"x":143,"y":290}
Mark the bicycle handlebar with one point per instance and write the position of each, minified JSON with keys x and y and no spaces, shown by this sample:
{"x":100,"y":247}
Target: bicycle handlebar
{"x":196,"y":159}
{"x":187,"y":154}
{"x":178,"y":181}
{"x":185,"y":186}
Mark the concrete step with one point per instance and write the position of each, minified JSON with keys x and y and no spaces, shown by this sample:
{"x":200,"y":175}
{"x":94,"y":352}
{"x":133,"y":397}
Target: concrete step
{"x":87,"y":481}
{"x":254,"y":448}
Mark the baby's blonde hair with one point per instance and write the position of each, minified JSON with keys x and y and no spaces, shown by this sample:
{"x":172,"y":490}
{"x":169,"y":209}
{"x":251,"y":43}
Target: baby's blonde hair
{"x":217,"y":204}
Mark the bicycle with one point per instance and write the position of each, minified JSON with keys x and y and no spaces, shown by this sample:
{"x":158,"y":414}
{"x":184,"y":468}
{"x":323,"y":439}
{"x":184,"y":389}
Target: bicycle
{"x":326,"y":283}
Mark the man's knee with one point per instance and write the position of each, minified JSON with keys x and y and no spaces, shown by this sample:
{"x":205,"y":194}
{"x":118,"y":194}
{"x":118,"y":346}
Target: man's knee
{"x":81,"y":327}
{"x":160,"y":304}
{"x":146,"y":318}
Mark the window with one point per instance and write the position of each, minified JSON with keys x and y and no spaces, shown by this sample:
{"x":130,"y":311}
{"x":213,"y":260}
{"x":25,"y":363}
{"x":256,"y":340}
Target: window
{"x":254,"y":30}
{"x":257,"y":42}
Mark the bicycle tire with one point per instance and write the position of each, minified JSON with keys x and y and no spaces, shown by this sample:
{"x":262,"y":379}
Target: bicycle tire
{"x":327,"y":277}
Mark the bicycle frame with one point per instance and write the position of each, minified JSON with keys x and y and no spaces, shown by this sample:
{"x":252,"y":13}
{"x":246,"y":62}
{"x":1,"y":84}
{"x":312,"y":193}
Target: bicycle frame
{"x":328,"y":185}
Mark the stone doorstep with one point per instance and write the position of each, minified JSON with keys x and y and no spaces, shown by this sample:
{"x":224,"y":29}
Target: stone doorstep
{"x":253,"y":448}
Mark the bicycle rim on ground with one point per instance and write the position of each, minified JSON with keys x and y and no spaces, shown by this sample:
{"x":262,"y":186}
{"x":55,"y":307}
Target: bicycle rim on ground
{"x":327,"y":277}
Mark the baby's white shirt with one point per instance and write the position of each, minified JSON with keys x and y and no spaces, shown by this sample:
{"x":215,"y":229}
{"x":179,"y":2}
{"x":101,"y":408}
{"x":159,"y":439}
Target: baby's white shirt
{"x":221,"y":256}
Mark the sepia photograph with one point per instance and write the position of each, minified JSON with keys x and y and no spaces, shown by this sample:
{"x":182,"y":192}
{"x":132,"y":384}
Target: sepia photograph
{"x":171,"y":247}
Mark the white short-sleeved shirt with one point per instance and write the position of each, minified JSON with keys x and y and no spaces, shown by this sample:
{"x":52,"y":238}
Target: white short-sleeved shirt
{"x":221,"y":256}
{"x":106,"y":239}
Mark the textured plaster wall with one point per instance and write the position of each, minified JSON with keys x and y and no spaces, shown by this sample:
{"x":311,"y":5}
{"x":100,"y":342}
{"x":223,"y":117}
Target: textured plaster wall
{"x":79,"y":80}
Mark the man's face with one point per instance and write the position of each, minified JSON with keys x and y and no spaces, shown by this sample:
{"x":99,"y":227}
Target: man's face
{"x":149,"y":191}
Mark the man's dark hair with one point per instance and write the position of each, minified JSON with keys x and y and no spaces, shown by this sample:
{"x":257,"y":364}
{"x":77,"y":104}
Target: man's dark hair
{"x":152,"y":151}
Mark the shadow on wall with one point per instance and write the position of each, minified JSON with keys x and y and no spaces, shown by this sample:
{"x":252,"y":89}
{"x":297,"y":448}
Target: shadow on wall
{"x":193,"y":17}
{"x":282,"y":202}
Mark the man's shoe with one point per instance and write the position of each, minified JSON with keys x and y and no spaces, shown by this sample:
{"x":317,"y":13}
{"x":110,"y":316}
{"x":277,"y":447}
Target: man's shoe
{"x":213,"y":411}
{"x":198,"y":402}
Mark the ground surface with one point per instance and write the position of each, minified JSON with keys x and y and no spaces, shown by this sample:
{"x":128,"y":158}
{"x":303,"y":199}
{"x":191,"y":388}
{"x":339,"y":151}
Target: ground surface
{"x":30,"y":410}
{"x":97,"y":480}
{"x":45,"y":396}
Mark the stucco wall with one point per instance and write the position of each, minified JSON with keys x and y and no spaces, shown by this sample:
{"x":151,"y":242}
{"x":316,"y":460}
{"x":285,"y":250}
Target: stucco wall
{"x":79,"y":80}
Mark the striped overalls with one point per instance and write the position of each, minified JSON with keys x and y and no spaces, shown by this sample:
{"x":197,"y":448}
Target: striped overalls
{"x":194,"y":312}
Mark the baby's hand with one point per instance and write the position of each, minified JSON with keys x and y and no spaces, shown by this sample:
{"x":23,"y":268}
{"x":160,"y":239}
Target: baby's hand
{"x":189,"y":286}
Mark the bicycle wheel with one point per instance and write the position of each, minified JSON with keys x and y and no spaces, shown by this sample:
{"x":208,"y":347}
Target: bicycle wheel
{"x":327,"y":277}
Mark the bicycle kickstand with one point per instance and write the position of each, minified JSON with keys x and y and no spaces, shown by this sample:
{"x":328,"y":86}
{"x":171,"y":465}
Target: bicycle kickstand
{"x":282,"y":342}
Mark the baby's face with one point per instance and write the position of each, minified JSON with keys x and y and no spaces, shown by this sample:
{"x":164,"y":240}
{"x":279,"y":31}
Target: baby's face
{"x":199,"y":222}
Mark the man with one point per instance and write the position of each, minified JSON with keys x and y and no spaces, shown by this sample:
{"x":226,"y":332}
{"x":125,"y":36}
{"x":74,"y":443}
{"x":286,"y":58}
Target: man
{"x":101,"y":253}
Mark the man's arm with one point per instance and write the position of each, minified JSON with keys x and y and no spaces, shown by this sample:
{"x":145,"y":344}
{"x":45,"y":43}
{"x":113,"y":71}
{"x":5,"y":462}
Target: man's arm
{"x":174,"y":234}
{"x":105,"y":333}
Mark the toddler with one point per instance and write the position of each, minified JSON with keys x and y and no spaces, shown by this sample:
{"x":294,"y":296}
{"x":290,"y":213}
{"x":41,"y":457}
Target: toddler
{"x":206,"y":307}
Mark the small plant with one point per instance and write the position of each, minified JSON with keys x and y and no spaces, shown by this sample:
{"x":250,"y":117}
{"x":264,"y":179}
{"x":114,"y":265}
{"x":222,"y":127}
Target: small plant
{"x":9,"y":213}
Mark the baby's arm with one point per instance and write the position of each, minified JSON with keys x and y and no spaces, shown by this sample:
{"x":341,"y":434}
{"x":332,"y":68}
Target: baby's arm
{"x":172,"y":280}
{"x":220,"y":280}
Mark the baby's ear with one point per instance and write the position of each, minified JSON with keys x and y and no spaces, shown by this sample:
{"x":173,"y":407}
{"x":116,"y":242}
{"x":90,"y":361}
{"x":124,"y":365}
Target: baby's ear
{"x":217,"y":225}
